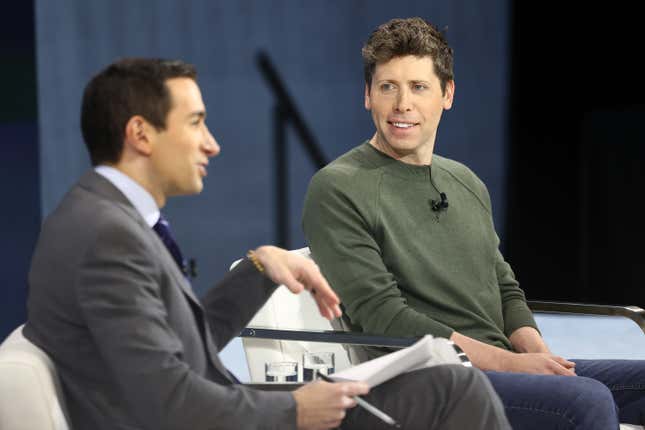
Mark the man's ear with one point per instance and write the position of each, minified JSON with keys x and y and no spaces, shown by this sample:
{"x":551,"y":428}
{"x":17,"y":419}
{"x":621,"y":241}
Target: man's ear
{"x":138,"y":135}
{"x":368,"y":103}
{"x":448,"y":95}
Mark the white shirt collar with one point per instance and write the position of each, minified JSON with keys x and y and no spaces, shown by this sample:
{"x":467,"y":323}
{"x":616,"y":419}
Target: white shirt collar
{"x":140,"y":198}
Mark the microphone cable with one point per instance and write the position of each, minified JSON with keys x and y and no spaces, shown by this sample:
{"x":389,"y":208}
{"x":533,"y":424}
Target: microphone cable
{"x":441,"y":205}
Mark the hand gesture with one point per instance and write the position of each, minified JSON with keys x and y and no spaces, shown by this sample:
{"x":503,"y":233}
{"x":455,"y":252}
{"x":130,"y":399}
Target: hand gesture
{"x":298,"y":273}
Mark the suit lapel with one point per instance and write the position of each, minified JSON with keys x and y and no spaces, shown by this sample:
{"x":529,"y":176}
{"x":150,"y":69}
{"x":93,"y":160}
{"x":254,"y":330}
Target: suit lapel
{"x":197,"y":309}
{"x":96,"y":183}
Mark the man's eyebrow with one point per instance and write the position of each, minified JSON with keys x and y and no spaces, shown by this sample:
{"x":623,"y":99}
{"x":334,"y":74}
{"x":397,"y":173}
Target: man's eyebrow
{"x":198,"y":114}
{"x":395,"y":81}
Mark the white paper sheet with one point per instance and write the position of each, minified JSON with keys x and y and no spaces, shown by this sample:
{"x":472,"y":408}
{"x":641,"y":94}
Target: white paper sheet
{"x":379,"y":370}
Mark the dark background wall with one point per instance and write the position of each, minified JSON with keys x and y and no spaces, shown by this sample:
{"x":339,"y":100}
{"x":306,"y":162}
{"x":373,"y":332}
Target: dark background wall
{"x":577,"y":152}
{"x":19,"y":186}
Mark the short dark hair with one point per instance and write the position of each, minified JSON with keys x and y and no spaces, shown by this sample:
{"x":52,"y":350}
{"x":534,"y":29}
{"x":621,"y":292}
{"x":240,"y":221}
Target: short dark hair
{"x":409,"y":36}
{"x":128,"y":87}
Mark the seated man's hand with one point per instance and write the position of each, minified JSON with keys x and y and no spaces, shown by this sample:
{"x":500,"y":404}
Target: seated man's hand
{"x":298,"y":273}
{"x":489,"y":357}
{"x":540,"y":363}
{"x":322,"y":405}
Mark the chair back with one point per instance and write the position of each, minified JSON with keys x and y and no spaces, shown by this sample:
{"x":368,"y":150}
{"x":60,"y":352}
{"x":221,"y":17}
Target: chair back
{"x":288,"y":311}
{"x":30,"y":393}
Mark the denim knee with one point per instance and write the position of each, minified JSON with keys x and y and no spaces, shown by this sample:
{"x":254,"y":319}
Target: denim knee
{"x":538,"y":402}
{"x":594,"y":405}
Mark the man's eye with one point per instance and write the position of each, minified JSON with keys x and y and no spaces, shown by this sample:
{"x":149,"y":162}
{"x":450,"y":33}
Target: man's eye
{"x":387,"y":87}
{"x":419,"y":87}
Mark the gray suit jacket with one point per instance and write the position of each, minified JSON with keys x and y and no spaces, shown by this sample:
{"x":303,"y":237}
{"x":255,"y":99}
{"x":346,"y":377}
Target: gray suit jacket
{"x":134,"y":347}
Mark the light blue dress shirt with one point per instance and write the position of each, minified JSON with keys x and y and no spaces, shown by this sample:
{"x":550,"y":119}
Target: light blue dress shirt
{"x":137,"y":195}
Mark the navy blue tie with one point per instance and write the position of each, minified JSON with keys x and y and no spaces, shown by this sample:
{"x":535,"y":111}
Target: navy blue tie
{"x":162,"y":228}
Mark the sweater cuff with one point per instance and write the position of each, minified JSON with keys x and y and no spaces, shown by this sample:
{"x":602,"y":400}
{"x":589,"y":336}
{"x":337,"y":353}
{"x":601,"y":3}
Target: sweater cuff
{"x":517,"y":315}
{"x":442,"y":331}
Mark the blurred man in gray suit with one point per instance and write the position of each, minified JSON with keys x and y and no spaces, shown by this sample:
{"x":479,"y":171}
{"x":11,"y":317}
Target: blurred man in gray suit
{"x":110,"y":302}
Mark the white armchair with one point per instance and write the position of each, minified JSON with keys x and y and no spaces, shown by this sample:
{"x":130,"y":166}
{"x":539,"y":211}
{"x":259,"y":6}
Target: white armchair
{"x":288,"y":325}
{"x":30,"y":392}
{"x":287,"y":311}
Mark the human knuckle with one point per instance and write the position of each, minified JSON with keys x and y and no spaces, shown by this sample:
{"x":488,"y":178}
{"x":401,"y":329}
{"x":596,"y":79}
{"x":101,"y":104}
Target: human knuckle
{"x":338,"y":403}
{"x":350,"y":390}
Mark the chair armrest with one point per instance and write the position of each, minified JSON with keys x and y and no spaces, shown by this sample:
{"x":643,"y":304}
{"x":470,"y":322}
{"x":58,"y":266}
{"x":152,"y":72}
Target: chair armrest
{"x":329,"y":336}
{"x":634,"y":313}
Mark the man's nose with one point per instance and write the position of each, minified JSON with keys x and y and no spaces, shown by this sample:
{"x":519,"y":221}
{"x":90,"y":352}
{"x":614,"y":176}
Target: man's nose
{"x":403,"y":103}
{"x":211,"y":147}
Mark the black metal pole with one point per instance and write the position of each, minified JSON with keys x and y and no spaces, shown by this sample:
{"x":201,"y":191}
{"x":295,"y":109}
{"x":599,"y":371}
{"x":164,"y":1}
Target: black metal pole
{"x":290,"y":110}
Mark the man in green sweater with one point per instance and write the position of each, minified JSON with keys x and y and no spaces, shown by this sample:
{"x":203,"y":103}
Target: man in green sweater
{"x":405,"y":260}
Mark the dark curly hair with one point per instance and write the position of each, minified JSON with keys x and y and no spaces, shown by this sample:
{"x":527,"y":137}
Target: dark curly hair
{"x":409,"y":36}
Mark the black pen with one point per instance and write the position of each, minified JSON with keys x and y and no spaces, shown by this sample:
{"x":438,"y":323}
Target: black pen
{"x":367,"y":406}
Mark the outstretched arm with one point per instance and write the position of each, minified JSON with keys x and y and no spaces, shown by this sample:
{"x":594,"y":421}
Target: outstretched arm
{"x":232,"y":303}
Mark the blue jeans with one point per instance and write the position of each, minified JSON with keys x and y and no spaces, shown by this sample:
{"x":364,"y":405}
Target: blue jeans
{"x":604,"y":393}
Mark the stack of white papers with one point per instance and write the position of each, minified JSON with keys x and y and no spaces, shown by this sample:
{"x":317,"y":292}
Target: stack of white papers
{"x":426,"y":352}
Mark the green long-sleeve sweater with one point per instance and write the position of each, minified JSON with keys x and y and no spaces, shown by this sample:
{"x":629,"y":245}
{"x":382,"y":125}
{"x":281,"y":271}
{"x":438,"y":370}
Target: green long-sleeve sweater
{"x":401,"y":268}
